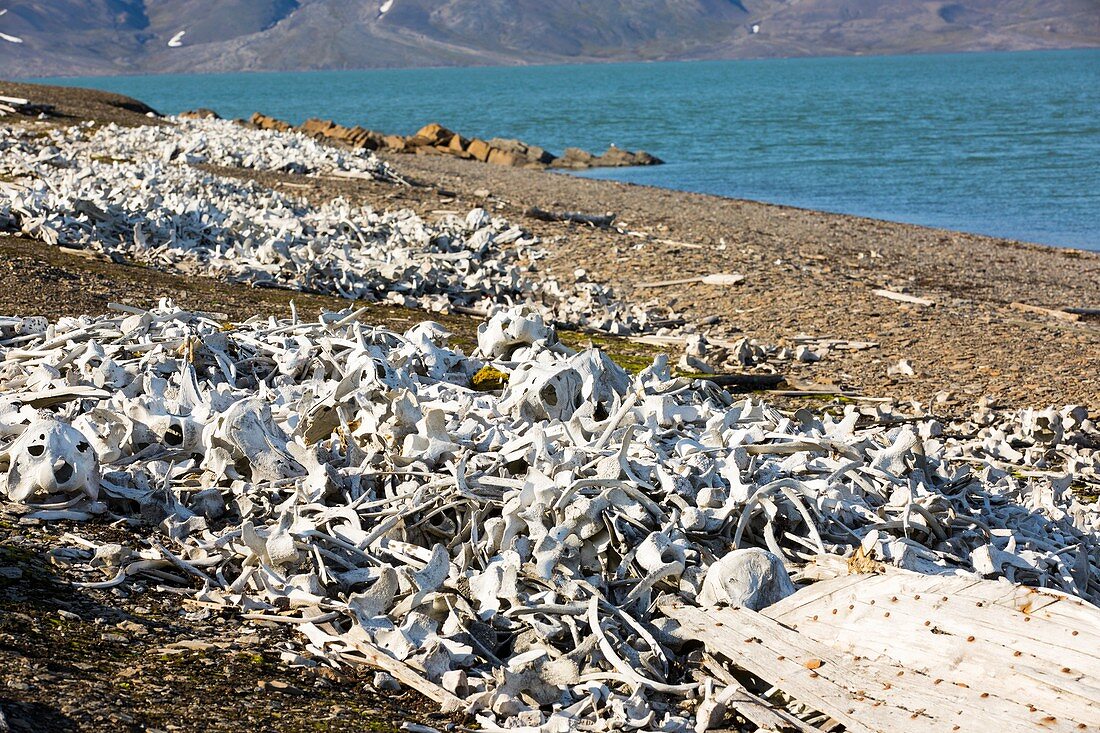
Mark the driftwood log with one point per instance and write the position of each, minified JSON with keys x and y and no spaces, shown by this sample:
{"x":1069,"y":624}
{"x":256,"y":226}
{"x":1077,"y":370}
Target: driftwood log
{"x":903,"y":298}
{"x":904,"y":651}
{"x":575,"y":217}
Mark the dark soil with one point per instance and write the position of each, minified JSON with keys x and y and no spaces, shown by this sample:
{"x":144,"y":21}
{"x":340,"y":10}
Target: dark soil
{"x":134,"y":659}
{"x":73,"y":104}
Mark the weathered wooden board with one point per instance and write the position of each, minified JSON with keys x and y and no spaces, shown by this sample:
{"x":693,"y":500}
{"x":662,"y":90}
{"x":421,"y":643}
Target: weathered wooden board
{"x":753,"y":707}
{"x":1023,"y":643}
{"x":903,"y":298}
{"x":919,"y":653}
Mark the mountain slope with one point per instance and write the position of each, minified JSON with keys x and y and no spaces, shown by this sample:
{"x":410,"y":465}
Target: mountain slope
{"x":131,"y":36}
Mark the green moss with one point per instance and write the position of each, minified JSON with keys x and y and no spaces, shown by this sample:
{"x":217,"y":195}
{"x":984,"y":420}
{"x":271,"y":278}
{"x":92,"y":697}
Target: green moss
{"x":110,"y":159}
{"x":824,"y":397}
{"x":1085,"y":494}
{"x":489,"y":379}
{"x":631,"y":356}
{"x":15,"y":555}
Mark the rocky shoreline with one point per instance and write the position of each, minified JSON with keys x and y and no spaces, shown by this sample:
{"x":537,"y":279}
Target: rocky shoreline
{"x":434,"y":139}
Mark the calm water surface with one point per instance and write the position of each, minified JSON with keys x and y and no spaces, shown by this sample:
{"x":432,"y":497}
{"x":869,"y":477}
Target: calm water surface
{"x":1006,"y":144}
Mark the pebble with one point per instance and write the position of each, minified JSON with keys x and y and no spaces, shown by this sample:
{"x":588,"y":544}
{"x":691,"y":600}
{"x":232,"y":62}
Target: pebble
{"x":384,"y":681}
{"x":132,"y":627}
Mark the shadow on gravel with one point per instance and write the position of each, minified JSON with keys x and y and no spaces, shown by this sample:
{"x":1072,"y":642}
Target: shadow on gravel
{"x":20,"y":717}
{"x":133,"y":658}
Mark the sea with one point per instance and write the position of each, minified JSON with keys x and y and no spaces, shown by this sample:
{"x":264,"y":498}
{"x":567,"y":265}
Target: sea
{"x":1004,"y":144}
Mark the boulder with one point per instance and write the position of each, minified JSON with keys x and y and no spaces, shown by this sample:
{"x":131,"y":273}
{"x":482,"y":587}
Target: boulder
{"x":264,"y":122}
{"x":505,"y":157}
{"x":395,"y":142}
{"x":370,"y":140}
{"x":620,"y":158}
{"x":202,"y":113}
{"x":510,"y":145}
{"x":579,"y":156}
{"x":479,"y":149}
{"x":314,"y":126}
{"x":749,"y":578}
{"x":360,"y":137}
{"x":641,"y":157}
{"x":574,"y":158}
{"x":339,"y":132}
{"x":435,"y":134}
{"x":458,"y":143}
{"x":522,"y":151}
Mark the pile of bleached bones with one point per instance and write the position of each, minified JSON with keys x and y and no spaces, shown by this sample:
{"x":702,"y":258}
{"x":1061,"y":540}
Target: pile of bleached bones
{"x":510,"y":547}
{"x":135,"y":193}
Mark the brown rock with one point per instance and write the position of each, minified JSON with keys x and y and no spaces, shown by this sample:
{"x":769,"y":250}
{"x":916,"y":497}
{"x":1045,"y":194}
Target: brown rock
{"x":355,"y":135}
{"x":458,"y":143}
{"x":505,"y":157}
{"x":618,"y":158}
{"x":202,"y":113}
{"x":576,"y":155}
{"x":394,"y":142}
{"x":314,"y":126}
{"x":372,"y":140}
{"x":574,"y":158}
{"x":435,"y":134}
{"x":641,"y":157}
{"x":520,"y":149}
{"x":479,"y":149}
{"x":264,"y":122}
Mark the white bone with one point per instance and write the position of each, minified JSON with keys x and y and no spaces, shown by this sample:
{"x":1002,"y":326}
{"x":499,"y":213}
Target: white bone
{"x":749,"y":578}
{"x":50,"y":458}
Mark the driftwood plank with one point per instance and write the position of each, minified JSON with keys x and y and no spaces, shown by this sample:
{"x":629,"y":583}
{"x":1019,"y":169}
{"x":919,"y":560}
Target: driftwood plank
{"x":718,"y":278}
{"x":374,"y":657}
{"x":1015,"y":642}
{"x":862,"y":693}
{"x":742,"y":381}
{"x":998,"y":612}
{"x":1064,"y":315}
{"x":903,"y":298}
{"x":575,"y":217}
{"x":753,"y":707}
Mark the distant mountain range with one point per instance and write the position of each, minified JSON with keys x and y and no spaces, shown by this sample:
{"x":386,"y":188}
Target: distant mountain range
{"x":88,"y":37}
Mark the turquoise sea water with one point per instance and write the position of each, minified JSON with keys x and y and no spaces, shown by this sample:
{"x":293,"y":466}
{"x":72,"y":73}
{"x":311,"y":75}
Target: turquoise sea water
{"x":1006,"y":144}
